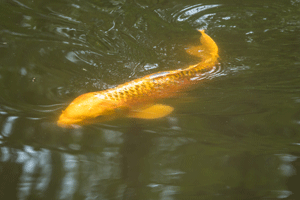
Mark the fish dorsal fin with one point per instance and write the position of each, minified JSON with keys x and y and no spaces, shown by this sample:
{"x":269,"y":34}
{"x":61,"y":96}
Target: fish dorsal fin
{"x":152,"y":112}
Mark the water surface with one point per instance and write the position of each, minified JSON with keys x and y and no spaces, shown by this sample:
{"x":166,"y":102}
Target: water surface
{"x":236,"y":136}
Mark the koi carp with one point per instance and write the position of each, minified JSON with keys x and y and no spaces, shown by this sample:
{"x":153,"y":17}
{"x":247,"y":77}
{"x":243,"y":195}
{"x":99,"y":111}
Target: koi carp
{"x":137,"y":98}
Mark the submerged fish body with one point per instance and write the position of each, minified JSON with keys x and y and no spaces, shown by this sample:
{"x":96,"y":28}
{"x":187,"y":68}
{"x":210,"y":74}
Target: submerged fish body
{"x":137,"y":98}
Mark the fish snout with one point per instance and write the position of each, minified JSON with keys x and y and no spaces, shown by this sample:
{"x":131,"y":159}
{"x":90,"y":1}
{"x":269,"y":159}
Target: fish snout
{"x":67,"y":122}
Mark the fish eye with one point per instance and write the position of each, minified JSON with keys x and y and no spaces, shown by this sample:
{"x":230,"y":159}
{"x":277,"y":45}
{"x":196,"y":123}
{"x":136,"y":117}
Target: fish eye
{"x":118,"y":110}
{"x":100,"y":118}
{"x":121,"y":110}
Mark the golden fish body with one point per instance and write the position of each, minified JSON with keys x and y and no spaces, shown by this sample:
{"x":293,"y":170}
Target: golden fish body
{"x":137,"y":98}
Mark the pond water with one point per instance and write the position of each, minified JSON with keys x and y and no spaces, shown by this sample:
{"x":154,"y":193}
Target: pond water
{"x":236,"y":136}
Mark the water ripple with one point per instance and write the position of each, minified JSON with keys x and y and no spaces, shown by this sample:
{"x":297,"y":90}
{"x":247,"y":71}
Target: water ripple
{"x":190,"y":11}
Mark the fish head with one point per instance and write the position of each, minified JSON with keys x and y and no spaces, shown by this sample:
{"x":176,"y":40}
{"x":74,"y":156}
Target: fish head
{"x":87,"y":109}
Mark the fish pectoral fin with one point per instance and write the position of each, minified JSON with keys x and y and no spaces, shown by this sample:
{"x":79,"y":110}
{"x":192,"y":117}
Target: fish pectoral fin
{"x":152,"y":112}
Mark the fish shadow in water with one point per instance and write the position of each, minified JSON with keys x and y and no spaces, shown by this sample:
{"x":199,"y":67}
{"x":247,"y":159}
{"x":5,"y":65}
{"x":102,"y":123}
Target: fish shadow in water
{"x":137,"y":144}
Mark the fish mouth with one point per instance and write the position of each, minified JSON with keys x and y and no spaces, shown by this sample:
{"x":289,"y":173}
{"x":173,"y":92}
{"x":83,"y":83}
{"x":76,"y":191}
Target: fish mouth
{"x":67,"y":122}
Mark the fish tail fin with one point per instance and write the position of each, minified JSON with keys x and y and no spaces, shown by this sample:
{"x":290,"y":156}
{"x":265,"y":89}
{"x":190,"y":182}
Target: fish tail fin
{"x":208,"y":50}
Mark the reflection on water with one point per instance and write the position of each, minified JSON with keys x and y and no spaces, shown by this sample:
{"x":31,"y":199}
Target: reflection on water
{"x":8,"y":126}
{"x":134,"y":164}
{"x":234,"y":137}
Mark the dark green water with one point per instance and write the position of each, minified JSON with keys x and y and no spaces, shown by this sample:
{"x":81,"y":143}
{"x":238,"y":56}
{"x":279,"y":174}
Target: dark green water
{"x":237,"y":136}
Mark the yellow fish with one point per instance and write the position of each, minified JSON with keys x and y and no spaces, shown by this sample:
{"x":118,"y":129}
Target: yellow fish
{"x":137,"y":98}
